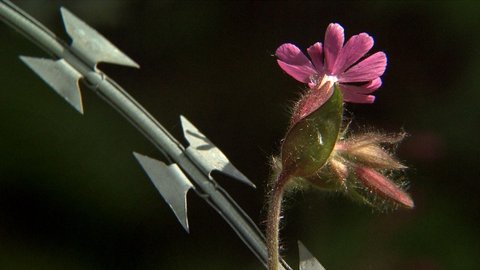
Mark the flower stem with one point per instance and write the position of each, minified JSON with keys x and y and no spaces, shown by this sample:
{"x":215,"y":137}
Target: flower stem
{"x":273,"y":221}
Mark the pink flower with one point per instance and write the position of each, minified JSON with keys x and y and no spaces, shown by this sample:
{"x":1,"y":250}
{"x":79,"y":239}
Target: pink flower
{"x":338,"y":64}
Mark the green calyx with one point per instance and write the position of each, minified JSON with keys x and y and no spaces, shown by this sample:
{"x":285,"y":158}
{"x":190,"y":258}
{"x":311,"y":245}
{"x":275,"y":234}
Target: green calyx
{"x":310,"y":142}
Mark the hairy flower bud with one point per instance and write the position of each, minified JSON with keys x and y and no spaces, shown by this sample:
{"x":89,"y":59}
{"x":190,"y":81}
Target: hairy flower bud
{"x":358,"y":165}
{"x":366,"y":150}
{"x":310,"y":141}
{"x":383,"y":186}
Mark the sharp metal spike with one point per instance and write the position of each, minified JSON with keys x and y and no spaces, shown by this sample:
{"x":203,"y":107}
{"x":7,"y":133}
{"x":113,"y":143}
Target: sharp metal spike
{"x":172,"y":184}
{"x":207,"y":155}
{"x":307,"y":261}
{"x":62,"y":77}
{"x":91,"y":44}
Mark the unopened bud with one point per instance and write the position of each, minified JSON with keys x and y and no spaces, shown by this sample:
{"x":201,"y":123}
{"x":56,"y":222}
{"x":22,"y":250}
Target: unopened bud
{"x":383,"y":186}
{"x":309,"y":143}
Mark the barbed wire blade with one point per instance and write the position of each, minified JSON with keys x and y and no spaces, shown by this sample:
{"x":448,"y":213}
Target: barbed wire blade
{"x":60,"y":75}
{"x":307,"y":261}
{"x":207,"y":156}
{"x":91,"y":45}
{"x":172,"y":184}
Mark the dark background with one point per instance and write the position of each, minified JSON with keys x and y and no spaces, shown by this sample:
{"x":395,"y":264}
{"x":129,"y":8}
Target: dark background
{"x":73,"y":197}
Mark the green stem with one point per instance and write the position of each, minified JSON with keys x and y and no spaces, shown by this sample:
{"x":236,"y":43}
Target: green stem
{"x":273,"y":221}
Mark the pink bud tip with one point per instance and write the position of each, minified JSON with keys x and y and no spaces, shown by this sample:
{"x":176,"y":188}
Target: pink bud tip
{"x":383,"y":186}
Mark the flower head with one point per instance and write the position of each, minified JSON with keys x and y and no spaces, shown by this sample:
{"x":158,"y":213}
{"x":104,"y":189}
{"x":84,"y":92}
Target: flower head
{"x":336,"y":63}
{"x":314,"y":148}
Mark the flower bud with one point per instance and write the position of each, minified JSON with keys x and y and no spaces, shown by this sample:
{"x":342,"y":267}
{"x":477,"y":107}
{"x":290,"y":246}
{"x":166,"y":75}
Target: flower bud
{"x":310,"y":141}
{"x":354,"y":168}
{"x":383,"y":186}
{"x":367,"y":150}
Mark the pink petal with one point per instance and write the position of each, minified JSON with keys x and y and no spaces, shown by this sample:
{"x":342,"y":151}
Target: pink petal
{"x":368,"y":69}
{"x":316,"y":54}
{"x":363,"y":89}
{"x":354,"y":97}
{"x":372,"y":85}
{"x":299,"y":73}
{"x":355,"y":48}
{"x":334,"y":39}
{"x":292,"y":55}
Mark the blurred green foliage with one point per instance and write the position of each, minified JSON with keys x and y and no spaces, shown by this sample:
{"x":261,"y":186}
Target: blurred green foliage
{"x":72,"y":195}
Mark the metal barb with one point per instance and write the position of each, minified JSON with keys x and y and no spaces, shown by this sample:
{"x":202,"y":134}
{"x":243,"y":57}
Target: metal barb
{"x":196,"y":162}
{"x":172,"y":184}
{"x":61,"y":76}
{"x":90,"y":44}
{"x":307,"y":261}
{"x":207,"y":155}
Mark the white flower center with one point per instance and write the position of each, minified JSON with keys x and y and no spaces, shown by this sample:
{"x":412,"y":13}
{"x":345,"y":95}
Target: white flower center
{"x":328,"y":78}
{"x":318,"y":81}
{"x":331,"y":80}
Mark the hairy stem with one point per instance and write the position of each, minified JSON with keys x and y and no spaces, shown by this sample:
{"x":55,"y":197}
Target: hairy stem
{"x":273,"y":221}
